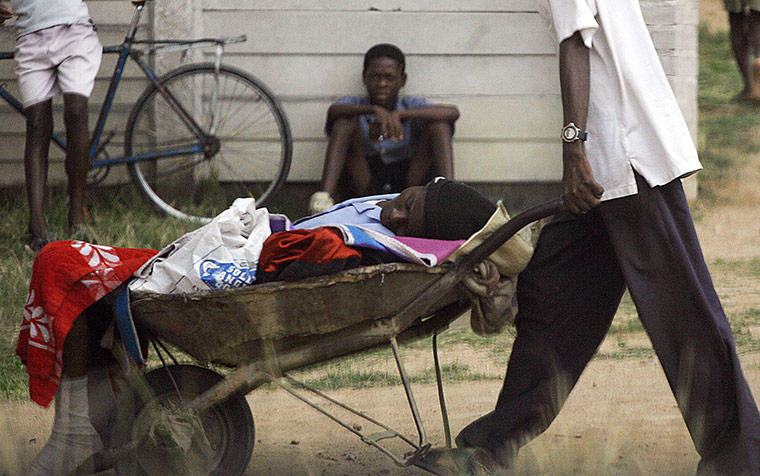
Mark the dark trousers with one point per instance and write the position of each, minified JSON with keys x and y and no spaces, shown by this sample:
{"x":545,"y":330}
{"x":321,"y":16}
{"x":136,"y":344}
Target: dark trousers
{"x":568,"y":296}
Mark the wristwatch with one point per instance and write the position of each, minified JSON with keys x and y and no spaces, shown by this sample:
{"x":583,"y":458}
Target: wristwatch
{"x":572,"y":133}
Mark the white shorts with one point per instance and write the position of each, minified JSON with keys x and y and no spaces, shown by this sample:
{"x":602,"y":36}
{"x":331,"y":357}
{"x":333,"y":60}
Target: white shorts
{"x":60,"y":59}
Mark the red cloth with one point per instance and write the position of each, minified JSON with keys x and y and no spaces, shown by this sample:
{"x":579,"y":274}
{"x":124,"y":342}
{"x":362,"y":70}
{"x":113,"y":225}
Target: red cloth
{"x":67,"y":277}
{"x":298,"y":254}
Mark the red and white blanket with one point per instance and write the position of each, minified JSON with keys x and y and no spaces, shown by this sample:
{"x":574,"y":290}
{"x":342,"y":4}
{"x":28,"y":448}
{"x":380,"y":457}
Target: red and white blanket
{"x":67,"y":277}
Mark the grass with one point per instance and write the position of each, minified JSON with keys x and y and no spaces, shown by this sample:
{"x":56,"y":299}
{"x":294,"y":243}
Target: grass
{"x":355,"y":377}
{"x":747,"y":268}
{"x":728,"y":133}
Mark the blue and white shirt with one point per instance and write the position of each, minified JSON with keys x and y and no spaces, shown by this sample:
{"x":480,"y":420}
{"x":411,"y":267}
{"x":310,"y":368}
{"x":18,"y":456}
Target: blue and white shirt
{"x":362,"y":211}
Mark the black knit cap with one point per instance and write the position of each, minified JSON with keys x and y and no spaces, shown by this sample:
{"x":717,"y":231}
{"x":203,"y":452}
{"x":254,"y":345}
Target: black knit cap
{"x":385,"y":50}
{"x":454,"y":211}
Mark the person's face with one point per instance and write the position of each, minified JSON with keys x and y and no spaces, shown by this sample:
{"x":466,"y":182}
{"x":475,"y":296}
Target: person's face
{"x":384,"y":79}
{"x":405,"y":214}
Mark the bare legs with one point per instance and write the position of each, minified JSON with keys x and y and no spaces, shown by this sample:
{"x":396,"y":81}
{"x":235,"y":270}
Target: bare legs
{"x":77,"y":154}
{"x":73,"y":439}
{"x":434,"y":156}
{"x":346,"y":173}
{"x":745,"y":42}
{"x":75,"y":349}
{"x":39,"y":128}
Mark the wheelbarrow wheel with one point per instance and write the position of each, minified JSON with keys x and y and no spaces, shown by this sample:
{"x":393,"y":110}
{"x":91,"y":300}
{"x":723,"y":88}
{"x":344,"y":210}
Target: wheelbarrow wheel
{"x":217,"y":442}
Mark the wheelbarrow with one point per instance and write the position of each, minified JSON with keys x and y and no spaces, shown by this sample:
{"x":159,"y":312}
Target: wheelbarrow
{"x":187,"y":419}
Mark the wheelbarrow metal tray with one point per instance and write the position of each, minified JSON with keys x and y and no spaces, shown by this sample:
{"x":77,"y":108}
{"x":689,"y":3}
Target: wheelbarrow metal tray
{"x":234,"y":326}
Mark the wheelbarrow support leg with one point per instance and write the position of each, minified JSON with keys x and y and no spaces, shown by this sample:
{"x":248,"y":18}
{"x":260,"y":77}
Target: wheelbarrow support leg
{"x":408,"y":391}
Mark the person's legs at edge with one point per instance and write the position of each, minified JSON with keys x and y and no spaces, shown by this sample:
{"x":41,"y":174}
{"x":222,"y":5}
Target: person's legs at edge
{"x":39,"y":128}
{"x":681,"y":312}
{"x":567,"y":297}
{"x":73,"y":439}
{"x":434,"y":156}
{"x":740,"y":26}
{"x":753,"y":43}
{"x":77,"y":155}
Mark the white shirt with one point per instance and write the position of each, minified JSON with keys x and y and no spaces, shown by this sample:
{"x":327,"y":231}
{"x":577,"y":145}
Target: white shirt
{"x":634,"y":120}
{"x":35,"y":15}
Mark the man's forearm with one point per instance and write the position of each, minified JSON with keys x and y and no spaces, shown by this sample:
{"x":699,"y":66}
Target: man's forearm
{"x":580,"y":191}
{"x":436,"y":112}
{"x":574,"y":76}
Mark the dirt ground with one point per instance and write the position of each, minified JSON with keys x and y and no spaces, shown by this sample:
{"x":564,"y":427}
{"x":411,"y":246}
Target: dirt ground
{"x":620,"y":420}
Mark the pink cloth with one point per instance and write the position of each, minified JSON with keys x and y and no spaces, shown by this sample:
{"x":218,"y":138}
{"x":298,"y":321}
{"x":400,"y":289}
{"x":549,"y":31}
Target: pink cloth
{"x":67,"y":277}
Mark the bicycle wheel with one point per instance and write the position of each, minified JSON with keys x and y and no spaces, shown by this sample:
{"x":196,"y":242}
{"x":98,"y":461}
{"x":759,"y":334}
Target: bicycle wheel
{"x":247,"y":146}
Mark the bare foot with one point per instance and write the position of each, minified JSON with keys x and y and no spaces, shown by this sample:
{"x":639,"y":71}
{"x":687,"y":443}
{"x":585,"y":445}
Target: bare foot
{"x":751,"y":96}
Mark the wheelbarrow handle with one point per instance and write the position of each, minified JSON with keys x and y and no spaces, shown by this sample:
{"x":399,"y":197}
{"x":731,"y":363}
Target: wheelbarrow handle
{"x":507,"y":230}
{"x":464,"y":265}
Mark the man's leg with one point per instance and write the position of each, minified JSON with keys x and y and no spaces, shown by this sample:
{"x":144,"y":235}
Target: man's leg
{"x":741,"y":43}
{"x":567,"y":297}
{"x":39,"y":129}
{"x":434,"y":156}
{"x":671,"y":286}
{"x":77,"y":154}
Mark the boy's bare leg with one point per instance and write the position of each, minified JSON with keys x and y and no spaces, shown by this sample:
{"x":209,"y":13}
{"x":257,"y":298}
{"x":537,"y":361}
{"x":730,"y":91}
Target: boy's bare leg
{"x":77,"y":154}
{"x":345,"y":163}
{"x":357,"y":176}
{"x":743,"y":31}
{"x":434,"y":156}
{"x":39,"y":129}
{"x":75,"y":349}
{"x":336,"y":155}
{"x":73,"y":439}
{"x":753,"y":39}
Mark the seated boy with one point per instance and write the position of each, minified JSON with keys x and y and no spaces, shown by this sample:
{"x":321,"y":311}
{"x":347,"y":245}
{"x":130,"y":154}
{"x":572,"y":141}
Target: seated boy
{"x":383,"y":142}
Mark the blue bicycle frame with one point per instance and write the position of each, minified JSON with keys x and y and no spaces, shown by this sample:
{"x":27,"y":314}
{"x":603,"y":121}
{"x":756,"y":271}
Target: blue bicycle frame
{"x":205,"y":142}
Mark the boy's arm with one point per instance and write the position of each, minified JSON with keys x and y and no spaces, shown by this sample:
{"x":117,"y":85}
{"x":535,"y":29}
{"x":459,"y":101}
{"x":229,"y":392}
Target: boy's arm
{"x":5,"y":13}
{"x":338,"y":110}
{"x":386,"y":124}
{"x":434,"y":112}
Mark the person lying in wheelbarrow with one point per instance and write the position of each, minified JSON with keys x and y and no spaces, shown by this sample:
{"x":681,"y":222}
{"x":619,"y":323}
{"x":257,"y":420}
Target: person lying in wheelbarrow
{"x":66,"y":312}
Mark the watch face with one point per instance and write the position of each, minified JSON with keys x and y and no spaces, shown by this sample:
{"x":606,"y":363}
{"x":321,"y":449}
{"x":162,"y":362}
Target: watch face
{"x":569,"y":133}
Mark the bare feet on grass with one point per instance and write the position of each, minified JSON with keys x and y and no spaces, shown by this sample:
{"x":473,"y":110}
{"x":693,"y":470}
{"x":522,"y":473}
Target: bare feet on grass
{"x":752,"y":94}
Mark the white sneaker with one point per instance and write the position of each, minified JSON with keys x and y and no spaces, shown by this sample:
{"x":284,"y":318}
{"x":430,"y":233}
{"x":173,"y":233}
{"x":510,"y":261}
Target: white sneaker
{"x":319,"y":202}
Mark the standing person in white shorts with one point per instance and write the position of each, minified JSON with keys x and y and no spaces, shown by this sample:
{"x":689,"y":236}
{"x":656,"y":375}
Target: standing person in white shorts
{"x":744,"y":24}
{"x":57,"y":52}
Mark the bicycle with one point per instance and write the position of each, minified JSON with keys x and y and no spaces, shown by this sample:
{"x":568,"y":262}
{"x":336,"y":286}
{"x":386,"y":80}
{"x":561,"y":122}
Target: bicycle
{"x":198,"y":136}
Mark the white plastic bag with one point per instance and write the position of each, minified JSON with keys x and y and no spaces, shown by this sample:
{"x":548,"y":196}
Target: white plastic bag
{"x":219,"y":255}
